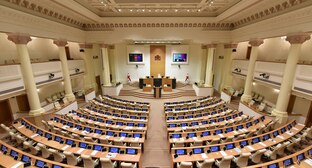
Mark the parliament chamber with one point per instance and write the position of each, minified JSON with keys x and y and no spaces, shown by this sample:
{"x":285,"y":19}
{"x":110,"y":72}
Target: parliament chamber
{"x":155,"y":84}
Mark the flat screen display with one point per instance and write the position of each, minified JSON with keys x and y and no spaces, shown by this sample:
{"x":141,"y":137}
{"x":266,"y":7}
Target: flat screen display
{"x":69,"y":142}
{"x":176,"y":135}
{"x":40,"y":163}
{"x":229,"y":146}
{"x":25,"y":159}
{"x":300,"y":157}
{"x":137,"y":135}
{"x":179,"y":57}
{"x":215,"y":148}
{"x":198,"y":150}
{"x":135,"y":57}
{"x":57,"y":166}
{"x":97,"y":147}
{"x":113,"y":150}
{"x":288,"y":162}
{"x":191,"y":135}
{"x":131,"y":151}
{"x":206,"y":133}
{"x":83,"y":145}
{"x":181,"y":151}
{"x":274,"y":165}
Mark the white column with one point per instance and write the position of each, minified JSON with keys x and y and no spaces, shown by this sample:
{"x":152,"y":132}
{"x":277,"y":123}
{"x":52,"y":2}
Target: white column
{"x":106,"y":72}
{"x":28,"y":76}
{"x":227,"y":74}
{"x":255,"y":43}
{"x":89,"y":78}
{"x":209,"y":66}
{"x":67,"y":82}
{"x":296,"y":41}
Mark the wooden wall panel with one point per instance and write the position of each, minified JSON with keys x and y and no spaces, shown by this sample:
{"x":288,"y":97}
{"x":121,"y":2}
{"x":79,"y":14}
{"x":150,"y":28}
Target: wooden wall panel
{"x":158,"y":60}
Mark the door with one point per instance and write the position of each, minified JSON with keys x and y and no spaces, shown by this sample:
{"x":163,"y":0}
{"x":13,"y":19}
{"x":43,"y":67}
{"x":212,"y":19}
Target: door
{"x":158,"y":60}
{"x":98,"y":83}
{"x":23,"y":103}
{"x":5,"y":112}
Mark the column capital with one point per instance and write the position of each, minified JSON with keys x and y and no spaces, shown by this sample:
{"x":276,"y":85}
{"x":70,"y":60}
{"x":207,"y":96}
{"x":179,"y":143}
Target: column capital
{"x":298,"y":38}
{"x":256,"y":42}
{"x":85,"y":45}
{"x":104,"y":45}
{"x":60,"y":43}
{"x":19,"y":38}
{"x":211,"y":45}
{"x":230,"y":45}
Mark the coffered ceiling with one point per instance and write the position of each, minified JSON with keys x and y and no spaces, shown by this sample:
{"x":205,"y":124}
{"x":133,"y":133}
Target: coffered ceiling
{"x":101,"y":15}
{"x":145,"y":8}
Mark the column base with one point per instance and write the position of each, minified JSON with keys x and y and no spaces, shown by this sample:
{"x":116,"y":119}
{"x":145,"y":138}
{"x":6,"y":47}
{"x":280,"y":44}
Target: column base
{"x":207,"y":85}
{"x":107,"y":84}
{"x":246,"y":98}
{"x":36,"y":112}
{"x":280,"y":115}
{"x":70,"y":97}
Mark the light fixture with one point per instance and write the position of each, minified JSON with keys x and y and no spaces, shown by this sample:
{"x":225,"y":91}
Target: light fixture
{"x":237,"y":70}
{"x":119,"y":10}
{"x":276,"y":90}
{"x":188,"y":10}
{"x":283,"y":37}
{"x":62,"y":83}
{"x":176,"y":10}
{"x":253,"y":83}
{"x":130,"y":10}
{"x":38,"y":90}
{"x":77,"y":70}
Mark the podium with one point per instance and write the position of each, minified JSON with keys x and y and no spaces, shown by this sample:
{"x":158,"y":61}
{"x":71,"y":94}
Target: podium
{"x":157,"y":92}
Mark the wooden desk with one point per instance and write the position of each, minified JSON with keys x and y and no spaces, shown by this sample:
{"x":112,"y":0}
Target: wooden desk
{"x":7,"y":161}
{"x":157,"y":92}
{"x":235,"y":152}
{"x":190,"y":102}
{"x":118,"y":109}
{"x":76,"y":150}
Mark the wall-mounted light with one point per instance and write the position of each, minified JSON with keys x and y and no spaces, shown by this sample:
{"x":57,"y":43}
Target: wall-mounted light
{"x":137,"y":66}
{"x":265,"y":75}
{"x":237,"y":70}
{"x":276,"y":90}
{"x":77,"y":70}
{"x":95,"y":57}
{"x":38,"y":90}
{"x":253,"y":83}
{"x":51,"y":75}
{"x":179,"y":66}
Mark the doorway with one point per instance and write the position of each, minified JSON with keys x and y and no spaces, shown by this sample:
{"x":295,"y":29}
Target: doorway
{"x":98,"y":83}
{"x":6,"y":112}
{"x":23,"y":104}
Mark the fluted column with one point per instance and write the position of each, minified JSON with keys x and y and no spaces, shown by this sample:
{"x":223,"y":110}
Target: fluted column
{"x":67,"y":82}
{"x":106,"y":72}
{"x":296,"y":41}
{"x":227,"y":74}
{"x":209,"y":73}
{"x":27,"y":72}
{"x":89,"y":78}
{"x":255,"y":43}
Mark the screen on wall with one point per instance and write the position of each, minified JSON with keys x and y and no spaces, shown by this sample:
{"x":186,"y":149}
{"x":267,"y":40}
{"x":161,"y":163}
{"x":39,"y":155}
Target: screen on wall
{"x":179,"y":57}
{"x":135,"y":57}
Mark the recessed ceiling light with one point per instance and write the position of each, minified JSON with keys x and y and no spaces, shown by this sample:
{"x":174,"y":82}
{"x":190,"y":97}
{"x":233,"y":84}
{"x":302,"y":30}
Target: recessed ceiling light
{"x":150,"y":10}
{"x":160,"y":10}
{"x":188,"y":10}
{"x":198,"y":10}
{"x":119,"y":10}
{"x":102,"y":2}
{"x":176,"y":10}
{"x":143,"y":10}
{"x":166,"y":10}
{"x":130,"y":10}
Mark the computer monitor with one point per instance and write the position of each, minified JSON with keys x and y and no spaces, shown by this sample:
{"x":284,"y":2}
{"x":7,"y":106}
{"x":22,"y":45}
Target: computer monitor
{"x":172,"y":125}
{"x":212,"y":121}
{"x":39,"y":132}
{"x":23,"y":122}
{"x":220,"y":119}
{"x":288,"y":162}
{"x":214,"y":148}
{"x":255,"y":140}
{"x":77,"y":126}
{"x":98,"y":131}
{"x":26,"y":159}
{"x":204,"y":122}
{"x":184,"y":124}
{"x":119,"y":123}
{"x":274,"y":165}
{"x":243,"y":143}
{"x":130,"y":124}
{"x":206,"y":133}
{"x":141,"y":125}
{"x":57,"y":166}
{"x":180,"y":151}
{"x":229,"y":146}
{"x":176,"y":135}
{"x":239,"y":127}
{"x":289,"y":126}
{"x":230,"y":129}
{"x":58,"y":139}
{"x":191,"y":135}
{"x":275,"y":133}
{"x":240,"y":113}
{"x":70,"y":124}
{"x":170,"y":118}
{"x":123,"y":134}
{"x":40,"y":163}
{"x":63,"y":121}
{"x":256,"y":121}
{"x":310,"y":152}
{"x":113,"y":150}
{"x":190,"y":116}
{"x":131,"y":151}
{"x":83,"y":145}
{"x":136,"y":135}
{"x":124,"y":116}
{"x":228,"y":117}
{"x":109,"y":133}
{"x":99,"y":120}
{"x":218,"y":131}
{"x":235,"y":115}
{"x":32,"y":128}
{"x":300,"y":157}
{"x":198,"y":150}
{"x":283,"y":130}
{"x":69,"y":142}
{"x":88,"y":129}
{"x":13,"y":153}
{"x":248,"y":124}
{"x":109,"y":122}
{"x":47,"y":135}
{"x":266,"y":137}
{"x":262,"y":118}
{"x":97,"y":147}
{"x":194,"y":123}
